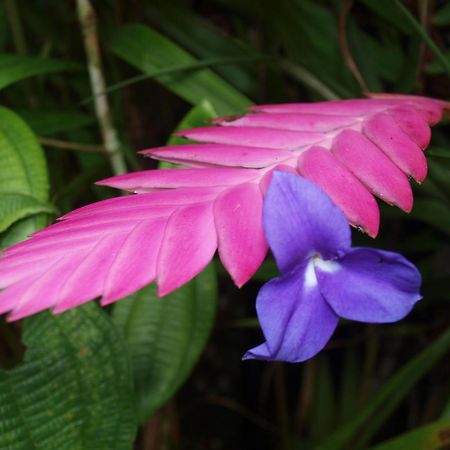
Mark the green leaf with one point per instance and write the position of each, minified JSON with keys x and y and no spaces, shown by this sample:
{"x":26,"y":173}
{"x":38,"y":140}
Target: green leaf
{"x":150,"y":52}
{"x":17,"y":67}
{"x":73,"y":391}
{"x":166,"y":336}
{"x":23,"y":169}
{"x":204,"y":40}
{"x":16,"y":206}
{"x":434,"y":436}
{"x":49,"y":123}
{"x":370,"y":417}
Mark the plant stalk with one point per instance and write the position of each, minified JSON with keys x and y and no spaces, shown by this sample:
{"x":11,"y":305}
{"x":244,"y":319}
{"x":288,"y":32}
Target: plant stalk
{"x":88,"y":21}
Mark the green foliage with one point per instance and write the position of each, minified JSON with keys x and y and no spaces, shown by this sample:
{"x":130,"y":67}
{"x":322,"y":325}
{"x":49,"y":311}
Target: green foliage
{"x":23,"y":179}
{"x":17,"y":206}
{"x":86,"y":381}
{"x":151,"y":52}
{"x":368,"y":420}
{"x":73,"y":389}
{"x":166,"y":336}
{"x":14,"y":68}
{"x":432,"y":436}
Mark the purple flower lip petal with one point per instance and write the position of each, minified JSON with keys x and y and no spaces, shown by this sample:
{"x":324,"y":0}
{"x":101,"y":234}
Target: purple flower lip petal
{"x":322,"y":277}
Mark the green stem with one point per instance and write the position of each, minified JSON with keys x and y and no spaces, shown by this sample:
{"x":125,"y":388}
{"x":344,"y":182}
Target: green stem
{"x":75,"y":146}
{"x":306,"y":77}
{"x":88,"y":21}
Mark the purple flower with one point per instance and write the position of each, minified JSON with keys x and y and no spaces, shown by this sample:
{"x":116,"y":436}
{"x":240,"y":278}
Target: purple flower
{"x":322,"y":277}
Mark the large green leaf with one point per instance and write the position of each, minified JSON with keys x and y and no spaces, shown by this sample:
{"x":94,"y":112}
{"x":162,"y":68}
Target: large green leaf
{"x":16,"y":206}
{"x":73,"y":390}
{"x":152,"y":52}
{"x":205,"y":41}
{"x":369,"y":419}
{"x":166,"y":336}
{"x":17,"y":67}
{"x":434,"y":436}
{"x":22,"y":171}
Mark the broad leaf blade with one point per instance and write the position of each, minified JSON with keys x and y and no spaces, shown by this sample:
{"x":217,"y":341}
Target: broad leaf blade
{"x":16,"y":206}
{"x":23,"y":170}
{"x":205,"y":41}
{"x":73,"y":390}
{"x":150,"y":52}
{"x":17,"y":67}
{"x":166,"y":336}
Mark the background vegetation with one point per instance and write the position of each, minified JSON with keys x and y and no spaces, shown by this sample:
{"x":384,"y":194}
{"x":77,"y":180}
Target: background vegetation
{"x":97,"y":378}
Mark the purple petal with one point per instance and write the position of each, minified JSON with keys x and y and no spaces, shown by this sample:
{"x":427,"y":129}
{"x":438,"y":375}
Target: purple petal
{"x":300,"y":220}
{"x":295,"y":319}
{"x":371,"y":285}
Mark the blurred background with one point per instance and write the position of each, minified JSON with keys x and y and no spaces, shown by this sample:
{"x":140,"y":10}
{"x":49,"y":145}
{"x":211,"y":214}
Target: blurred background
{"x":176,"y":64}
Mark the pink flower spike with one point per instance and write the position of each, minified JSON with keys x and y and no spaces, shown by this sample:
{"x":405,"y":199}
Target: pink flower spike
{"x":170,"y":229}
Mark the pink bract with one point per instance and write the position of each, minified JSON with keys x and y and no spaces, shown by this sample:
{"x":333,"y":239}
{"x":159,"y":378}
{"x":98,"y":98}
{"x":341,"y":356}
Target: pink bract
{"x":170,"y":229}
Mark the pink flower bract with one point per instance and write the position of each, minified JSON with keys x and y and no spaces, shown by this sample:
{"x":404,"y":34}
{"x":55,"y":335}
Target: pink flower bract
{"x":355,"y":150}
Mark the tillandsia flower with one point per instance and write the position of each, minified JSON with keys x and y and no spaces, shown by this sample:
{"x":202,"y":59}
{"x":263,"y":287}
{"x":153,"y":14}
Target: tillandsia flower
{"x":322,"y":277}
{"x":178,"y":218}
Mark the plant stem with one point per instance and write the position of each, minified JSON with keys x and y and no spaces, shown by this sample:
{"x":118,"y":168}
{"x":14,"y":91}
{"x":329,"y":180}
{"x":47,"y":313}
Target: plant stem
{"x":345,"y":48}
{"x":309,"y":79}
{"x":75,"y":146}
{"x":88,"y":21}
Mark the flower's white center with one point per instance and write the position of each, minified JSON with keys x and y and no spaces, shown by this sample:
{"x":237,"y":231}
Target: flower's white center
{"x":316,"y":262}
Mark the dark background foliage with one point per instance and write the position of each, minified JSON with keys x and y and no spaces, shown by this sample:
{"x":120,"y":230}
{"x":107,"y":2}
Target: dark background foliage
{"x":167,"y":62}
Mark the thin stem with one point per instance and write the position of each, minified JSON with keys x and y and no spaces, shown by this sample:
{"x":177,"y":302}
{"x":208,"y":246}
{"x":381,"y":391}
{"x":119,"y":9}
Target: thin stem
{"x":75,"y":146}
{"x":307,"y":78}
{"x":345,"y":48}
{"x":180,"y":68}
{"x":424,"y":35}
{"x":88,"y":21}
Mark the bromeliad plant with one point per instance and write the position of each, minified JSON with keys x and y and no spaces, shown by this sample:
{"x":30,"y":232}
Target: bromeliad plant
{"x":171,"y":228}
{"x":271,"y":193}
